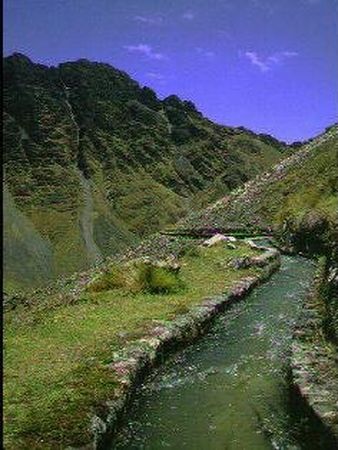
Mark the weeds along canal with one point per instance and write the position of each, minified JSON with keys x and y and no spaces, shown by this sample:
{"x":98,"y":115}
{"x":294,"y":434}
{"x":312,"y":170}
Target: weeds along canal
{"x":229,"y":390}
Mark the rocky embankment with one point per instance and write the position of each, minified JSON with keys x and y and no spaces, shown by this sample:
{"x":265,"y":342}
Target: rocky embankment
{"x":136,"y":361}
{"x":315,"y":361}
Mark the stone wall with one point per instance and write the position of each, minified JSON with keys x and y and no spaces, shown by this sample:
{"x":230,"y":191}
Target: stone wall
{"x":314,"y":364}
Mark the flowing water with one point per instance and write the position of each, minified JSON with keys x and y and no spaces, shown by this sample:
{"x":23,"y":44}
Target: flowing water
{"x":229,"y":390}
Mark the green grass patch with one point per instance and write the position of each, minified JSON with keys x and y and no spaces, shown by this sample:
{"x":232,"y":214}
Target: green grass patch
{"x":157,"y":280}
{"x":141,"y":275}
{"x":56,"y":359}
{"x":113,"y":277}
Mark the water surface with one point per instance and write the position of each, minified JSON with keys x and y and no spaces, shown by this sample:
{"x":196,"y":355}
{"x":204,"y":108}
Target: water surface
{"x":228,"y":391}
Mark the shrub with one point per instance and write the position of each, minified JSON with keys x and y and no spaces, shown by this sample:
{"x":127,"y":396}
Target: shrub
{"x":157,"y":280}
{"x":137,"y":276}
{"x":112,"y":278}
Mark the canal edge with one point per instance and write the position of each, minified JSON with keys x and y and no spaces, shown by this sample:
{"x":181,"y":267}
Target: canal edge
{"x":165,"y":338}
{"x":312,"y":366}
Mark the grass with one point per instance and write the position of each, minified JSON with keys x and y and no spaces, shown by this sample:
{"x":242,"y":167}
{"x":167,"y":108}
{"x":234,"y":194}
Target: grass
{"x":139,"y":276}
{"x":289,"y":203}
{"x":56,"y":358}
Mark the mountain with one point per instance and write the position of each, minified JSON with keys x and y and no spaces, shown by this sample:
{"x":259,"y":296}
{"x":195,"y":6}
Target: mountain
{"x":93,"y":161}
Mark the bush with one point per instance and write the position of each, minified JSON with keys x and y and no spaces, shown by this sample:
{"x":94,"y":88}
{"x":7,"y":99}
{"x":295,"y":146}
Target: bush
{"x":113,"y":278}
{"x":137,"y":276}
{"x":157,"y":280}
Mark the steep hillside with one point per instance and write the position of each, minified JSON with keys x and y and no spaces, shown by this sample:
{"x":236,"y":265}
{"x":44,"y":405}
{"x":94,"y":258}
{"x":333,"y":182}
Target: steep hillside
{"x":297,"y":199}
{"x":93,"y":161}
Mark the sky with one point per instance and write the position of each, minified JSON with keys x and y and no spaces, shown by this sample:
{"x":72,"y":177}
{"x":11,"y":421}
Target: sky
{"x":268,"y":65}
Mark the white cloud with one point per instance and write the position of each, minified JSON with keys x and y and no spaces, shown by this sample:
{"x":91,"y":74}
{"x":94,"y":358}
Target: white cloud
{"x":267,"y":63}
{"x":188,"y":15}
{"x":158,"y":20}
{"x":256,"y":61}
{"x":145,"y":50}
{"x":155,"y":76}
{"x":278,"y":58}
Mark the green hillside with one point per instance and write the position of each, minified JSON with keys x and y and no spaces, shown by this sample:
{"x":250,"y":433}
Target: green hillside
{"x":93,"y":161}
{"x":297,"y":200}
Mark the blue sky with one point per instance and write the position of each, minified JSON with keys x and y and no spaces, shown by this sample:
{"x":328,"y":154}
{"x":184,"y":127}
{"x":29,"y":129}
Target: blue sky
{"x":268,"y":65}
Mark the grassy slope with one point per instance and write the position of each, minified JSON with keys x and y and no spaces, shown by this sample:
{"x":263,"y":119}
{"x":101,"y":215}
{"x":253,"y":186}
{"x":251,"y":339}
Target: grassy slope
{"x":26,"y":245}
{"x":299,"y":193}
{"x":57,"y":354}
{"x":145,"y":161}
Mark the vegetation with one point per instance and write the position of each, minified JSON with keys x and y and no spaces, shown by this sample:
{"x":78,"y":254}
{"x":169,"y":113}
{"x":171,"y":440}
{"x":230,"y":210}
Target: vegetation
{"x":58,"y":352}
{"x":327,"y":296}
{"x":298,"y":200}
{"x":139,"y":275}
{"x":93,"y":162}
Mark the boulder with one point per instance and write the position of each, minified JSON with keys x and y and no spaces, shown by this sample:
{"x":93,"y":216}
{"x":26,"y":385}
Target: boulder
{"x":231,"y":238}
{"x":252,"y":244}
{"x":241,"y":263}
{"x":217,"y":238}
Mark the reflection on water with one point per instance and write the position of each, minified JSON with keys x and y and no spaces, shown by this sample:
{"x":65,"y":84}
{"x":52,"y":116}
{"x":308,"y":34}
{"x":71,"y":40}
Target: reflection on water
{"x":228,"y":390}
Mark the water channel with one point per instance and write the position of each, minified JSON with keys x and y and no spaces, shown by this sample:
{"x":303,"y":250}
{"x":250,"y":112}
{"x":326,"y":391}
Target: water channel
{"x":229,"y":390}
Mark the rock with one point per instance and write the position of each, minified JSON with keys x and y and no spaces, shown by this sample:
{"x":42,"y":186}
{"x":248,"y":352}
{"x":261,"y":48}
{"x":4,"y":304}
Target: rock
{"x":333,"y":276}
{"x":218,"y":238}
{"x":231,"y":238}
{"x":241,"y":263}
{"x":171,"y":265}
{"x":98,"y":426}
{"x":251,"y":243}
{"x":331,"y":416}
